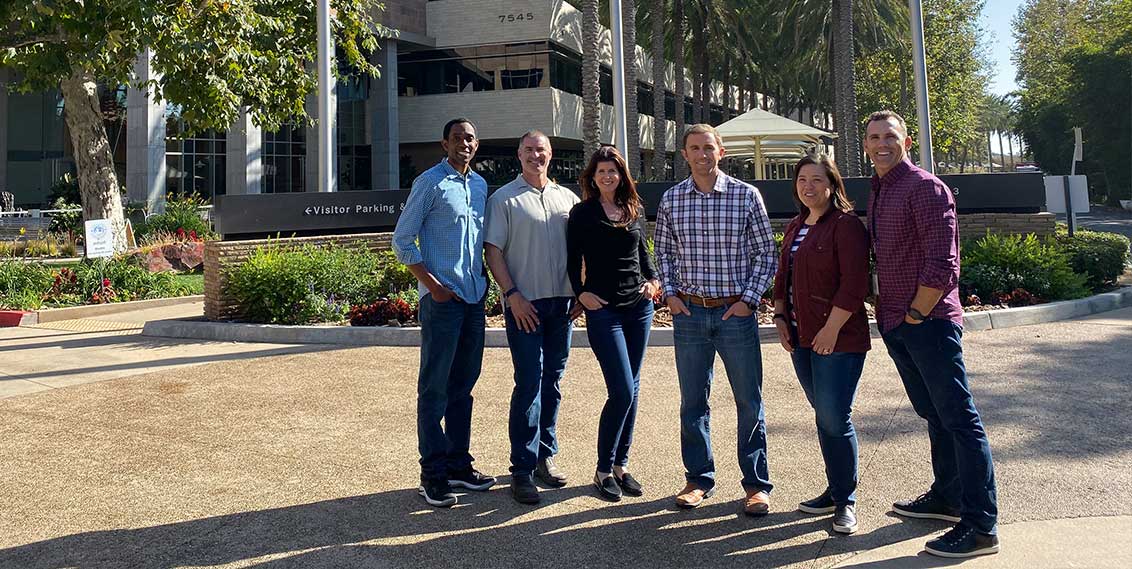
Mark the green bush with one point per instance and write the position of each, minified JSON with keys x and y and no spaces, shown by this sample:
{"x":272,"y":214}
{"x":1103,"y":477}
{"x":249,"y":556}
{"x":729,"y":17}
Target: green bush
{"x":68,"y":224}
{"x":998,"y":266}
{"x":180,"y":218}
{"x":29,"y":286}
{"x":1099,"y":256}
{"x":299,"y":285}
{"x":22,"y":285}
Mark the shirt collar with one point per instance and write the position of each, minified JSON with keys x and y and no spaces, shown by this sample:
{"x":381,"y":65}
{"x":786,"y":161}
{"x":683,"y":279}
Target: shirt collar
{"x":720,"y":184}
{"x":452,"y":171}
{"x":894,"y":175}
{"x":521,"y":180}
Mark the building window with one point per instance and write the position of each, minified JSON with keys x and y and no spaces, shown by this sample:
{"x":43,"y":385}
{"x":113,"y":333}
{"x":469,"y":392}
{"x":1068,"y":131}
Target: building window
{"x":482,"y":68}
{"x":565,"y":73}
{"x":285,"y":160}
{"x":194,"y":163}
{"x":353,"y":152}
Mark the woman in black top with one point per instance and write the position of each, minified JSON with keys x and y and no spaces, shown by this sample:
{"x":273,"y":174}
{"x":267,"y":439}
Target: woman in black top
{"x":607,"y":233}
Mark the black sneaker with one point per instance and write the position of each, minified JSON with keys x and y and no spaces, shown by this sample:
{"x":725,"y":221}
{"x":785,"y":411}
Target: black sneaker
{"x":437,"y":493}
{"x":845,"y":519}
{"x":962,"y":541}
{"x":608,"y":487}
{"x":549,"y":473}
{"x":523,"y":489}
{"x":928,"y":507}
{"x":471,"y":479}
{"x":821,"y":505}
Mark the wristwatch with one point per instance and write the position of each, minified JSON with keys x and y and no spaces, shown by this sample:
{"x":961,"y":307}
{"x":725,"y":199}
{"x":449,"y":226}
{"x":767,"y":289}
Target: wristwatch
{"x":510,"y":292}
{"x":916,"y":315}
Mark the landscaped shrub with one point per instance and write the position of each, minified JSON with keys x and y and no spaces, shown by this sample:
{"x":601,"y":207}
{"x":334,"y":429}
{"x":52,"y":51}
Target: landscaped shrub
{"x":30,"y":286}
{"x":382,"y":312}
{"x":181,"y":218}
{"x":1098,"y":255}
{"x":22,"y":284}
{"x":67,"y":224}
{"x":997,"y":267}
{"x":298,"y":285}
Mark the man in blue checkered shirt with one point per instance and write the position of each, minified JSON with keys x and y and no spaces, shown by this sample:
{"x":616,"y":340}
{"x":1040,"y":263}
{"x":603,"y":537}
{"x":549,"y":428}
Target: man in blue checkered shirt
{"x":445,"y":214}
{"x":716,"y":255}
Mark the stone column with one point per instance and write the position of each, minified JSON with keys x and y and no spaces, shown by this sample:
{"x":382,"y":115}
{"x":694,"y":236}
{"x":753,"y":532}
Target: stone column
{"x":381,"y":111}
{"x":145,"y":140}
{"x":4,"y":131}
{"x":244,"y":163}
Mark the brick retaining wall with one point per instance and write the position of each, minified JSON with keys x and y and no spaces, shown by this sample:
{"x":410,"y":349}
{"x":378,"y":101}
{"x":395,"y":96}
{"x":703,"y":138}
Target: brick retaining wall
{"x":219,"y":255}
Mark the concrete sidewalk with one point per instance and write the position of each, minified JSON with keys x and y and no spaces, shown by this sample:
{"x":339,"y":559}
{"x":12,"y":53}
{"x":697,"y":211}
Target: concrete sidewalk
{"x":309,"y":460}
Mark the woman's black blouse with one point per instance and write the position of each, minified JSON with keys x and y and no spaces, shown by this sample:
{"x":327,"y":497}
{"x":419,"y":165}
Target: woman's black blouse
{"x":616,"y":257}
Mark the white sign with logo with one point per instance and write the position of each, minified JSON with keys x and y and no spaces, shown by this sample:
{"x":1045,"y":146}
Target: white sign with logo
{"x":99,"y":239}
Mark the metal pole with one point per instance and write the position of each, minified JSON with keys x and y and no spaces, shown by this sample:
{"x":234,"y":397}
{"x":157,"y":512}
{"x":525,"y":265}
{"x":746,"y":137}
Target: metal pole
{"x":1070,"y":217}
{"x":327,"y":107}
{"x":920,"y":72}
{"x":620,"y":126}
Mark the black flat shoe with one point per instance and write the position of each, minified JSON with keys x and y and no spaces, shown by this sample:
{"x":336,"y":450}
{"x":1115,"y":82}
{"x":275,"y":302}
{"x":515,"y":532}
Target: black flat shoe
{"x":608,"y":488}
{"x":629,"y":485}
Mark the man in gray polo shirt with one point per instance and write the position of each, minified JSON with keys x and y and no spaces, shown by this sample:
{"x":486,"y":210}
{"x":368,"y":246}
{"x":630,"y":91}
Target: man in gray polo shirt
{"x":525,"y":248}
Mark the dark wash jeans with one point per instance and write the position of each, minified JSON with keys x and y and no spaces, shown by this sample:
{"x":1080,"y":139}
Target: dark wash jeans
{"x":698,"y":337}
{"x":619,"y":337}
{"x":451,"y":354}
{"x":830,"y":383}
{"x":929,"y":357}
{"x":539,"y":358}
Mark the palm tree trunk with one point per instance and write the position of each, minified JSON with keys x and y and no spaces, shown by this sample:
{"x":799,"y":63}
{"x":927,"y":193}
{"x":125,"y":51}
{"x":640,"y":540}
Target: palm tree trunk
{"x":1010,"y":143}
{"x":98,"y":184}
{"x":679,"y":165}
{"x":699,"y":47}
{"x":990,"y":154}
{"x":660,"y":122}
{"x":629,"y":34}
{"x":727,"y":89}
{"x":591,"y":79}
{"x":1002,"y":167}
{"x":845,"y":87}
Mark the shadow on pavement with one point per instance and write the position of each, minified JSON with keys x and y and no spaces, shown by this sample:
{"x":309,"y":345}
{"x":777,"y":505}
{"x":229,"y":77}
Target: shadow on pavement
{"x":396,"y":529}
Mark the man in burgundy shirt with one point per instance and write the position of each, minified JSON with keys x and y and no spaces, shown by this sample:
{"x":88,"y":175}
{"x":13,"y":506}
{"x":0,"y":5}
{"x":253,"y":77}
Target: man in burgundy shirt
{"x":915,"y":239}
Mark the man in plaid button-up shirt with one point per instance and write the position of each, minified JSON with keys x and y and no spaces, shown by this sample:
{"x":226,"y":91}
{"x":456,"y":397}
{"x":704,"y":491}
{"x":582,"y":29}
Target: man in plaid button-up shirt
{"x":916,"y":243}
{"x":716,"y":255}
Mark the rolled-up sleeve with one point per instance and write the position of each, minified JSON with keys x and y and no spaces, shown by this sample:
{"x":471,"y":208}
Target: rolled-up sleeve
{"x":934,"y":211}
{"x":852,"y":243}
{"x":763,"y":256}
{"x":412,"y":218}
{"x":664,"y":243}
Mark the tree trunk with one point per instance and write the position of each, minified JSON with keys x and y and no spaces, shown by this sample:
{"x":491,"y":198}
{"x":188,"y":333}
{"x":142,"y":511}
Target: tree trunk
{"x":845,"y":87}
{"x":1010,"y":143}
{"x":990,"y":154}
{"x":660,"y":121}
{"x":963,"y":163}
{"x":726,"y":89}
{"x":699,"y":48}
{"x":1001,"y":167}
{"x":679,"y":165}
{"x":591,"y":79}
{"x":98,"y":184}
{"x":629,"y":34}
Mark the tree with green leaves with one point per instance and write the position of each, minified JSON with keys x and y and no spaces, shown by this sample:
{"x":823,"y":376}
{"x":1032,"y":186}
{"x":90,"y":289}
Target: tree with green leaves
{"x":212,"y":58}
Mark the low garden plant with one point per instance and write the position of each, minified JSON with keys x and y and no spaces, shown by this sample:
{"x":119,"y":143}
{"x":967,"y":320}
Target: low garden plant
{"x":1100,"y":256}
{"x":32,"y":286}
{"x":1017,"y":270}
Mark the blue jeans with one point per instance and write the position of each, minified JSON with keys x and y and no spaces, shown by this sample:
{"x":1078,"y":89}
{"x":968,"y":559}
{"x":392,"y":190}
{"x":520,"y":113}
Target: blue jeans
{"x":451,"y":353}
{"x":619,"y":337}
{"x":539,"y":358}
{"x":929,"y":357}
{"x":830,"y":383}
{"x":698,"y":337}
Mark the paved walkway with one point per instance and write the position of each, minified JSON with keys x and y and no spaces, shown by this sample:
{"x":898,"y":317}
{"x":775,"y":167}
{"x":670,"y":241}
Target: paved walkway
{"x":283,"y":456}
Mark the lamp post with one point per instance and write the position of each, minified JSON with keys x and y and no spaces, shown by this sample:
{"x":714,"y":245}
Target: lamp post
{"x":920,"y":72}
{"x":327,"y":103}
{"x":620,"y":127}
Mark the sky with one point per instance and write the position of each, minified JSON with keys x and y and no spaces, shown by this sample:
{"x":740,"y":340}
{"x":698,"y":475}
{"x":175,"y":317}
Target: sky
{"x":997,"y":18}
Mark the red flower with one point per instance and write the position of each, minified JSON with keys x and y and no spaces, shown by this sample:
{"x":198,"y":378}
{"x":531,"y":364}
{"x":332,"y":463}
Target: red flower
{"x":193,"y":235}
{"x":105,"y":282}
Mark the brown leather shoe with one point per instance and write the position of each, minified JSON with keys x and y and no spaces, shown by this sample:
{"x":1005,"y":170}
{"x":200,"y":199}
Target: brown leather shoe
{"x":692,"y":496}
{"x":757,"y":503}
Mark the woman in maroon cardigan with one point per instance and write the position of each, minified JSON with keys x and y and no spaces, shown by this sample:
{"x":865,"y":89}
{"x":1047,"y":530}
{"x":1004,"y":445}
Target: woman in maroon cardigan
{"x":819,"y":310}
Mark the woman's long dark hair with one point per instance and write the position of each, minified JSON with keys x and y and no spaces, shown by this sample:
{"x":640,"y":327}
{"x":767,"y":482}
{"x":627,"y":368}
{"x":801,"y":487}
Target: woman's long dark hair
{"x":625,"y":197}
{"x":837,"y":196}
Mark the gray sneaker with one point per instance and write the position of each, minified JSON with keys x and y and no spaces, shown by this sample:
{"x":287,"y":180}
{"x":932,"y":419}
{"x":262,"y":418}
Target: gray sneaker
{"x":549,"y":473}
{"x":845,"y":519}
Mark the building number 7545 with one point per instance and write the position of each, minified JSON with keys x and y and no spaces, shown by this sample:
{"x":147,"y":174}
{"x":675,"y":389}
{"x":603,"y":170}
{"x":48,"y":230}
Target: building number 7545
{"x":516,"y":17}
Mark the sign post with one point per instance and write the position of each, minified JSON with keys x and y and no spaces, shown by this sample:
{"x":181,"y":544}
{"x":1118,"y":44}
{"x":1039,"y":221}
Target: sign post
{"x":99,"y":239}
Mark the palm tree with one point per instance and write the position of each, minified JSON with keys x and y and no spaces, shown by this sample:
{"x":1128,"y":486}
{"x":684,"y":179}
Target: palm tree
{"x":844,"y":88}
{"x":629,"y":34}
{"x":678,"y":61}
{"x":591,"y":78}
{"x":660,"y":121}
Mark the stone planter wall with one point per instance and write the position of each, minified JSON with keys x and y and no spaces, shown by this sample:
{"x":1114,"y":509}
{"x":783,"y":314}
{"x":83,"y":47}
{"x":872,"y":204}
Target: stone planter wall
{"x":220,"y":255}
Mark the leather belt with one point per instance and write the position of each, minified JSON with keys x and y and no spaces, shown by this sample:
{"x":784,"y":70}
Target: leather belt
{"x":709,"y":302}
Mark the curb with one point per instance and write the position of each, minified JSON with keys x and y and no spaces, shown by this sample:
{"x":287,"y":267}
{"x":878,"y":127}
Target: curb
{"x":497,"y":337}
{"x":92,"y":310}
{"x":13,"y":318}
